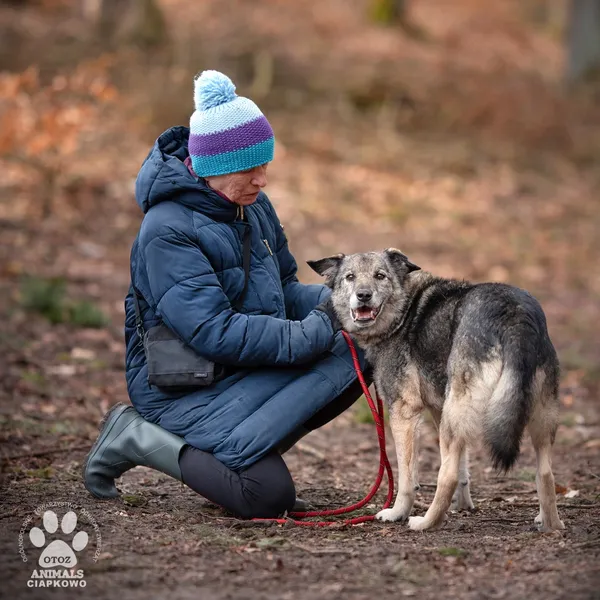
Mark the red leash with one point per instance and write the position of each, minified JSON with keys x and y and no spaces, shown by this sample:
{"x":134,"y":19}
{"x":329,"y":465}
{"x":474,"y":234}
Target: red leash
{"x":383,"y":465}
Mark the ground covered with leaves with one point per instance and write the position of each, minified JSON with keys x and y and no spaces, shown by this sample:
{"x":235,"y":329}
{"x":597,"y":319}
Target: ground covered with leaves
{"x":162,"y":539}
{"x":453,"y":143}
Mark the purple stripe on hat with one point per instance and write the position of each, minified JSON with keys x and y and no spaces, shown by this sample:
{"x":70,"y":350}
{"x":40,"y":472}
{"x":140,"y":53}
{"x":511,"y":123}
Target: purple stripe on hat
{"x":248,"y":134}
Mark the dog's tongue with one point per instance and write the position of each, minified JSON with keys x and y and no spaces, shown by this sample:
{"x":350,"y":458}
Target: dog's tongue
{"x":364,"y":312}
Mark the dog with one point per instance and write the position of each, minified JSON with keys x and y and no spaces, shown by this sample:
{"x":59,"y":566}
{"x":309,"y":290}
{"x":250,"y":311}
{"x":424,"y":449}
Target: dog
{"x":478,"y":356}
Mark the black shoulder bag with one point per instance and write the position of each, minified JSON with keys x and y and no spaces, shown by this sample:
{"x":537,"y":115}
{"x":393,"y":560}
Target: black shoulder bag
{"x":172,"y":364}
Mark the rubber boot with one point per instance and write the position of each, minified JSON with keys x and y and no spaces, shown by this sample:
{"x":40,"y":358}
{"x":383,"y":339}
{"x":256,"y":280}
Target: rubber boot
{"x":127,"y":440}
{"x":302,"y":506}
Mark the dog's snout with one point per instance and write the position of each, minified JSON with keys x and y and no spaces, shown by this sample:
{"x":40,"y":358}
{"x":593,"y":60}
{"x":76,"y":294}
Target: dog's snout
{"x":364,"y":294}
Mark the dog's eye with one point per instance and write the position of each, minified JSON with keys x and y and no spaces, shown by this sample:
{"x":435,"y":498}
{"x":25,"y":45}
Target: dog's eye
{"x":350,"y":277}
{"x":380,"y":276}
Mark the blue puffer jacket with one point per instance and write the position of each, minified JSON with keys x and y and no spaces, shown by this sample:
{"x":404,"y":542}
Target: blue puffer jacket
{"x":284,"y":362}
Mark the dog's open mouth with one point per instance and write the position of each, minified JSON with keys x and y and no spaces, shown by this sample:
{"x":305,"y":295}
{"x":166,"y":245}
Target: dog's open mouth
{"x":364,"y":314}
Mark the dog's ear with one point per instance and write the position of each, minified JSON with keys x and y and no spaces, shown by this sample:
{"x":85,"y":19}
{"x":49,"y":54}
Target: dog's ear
{"x":327,"y":267}
{"x":400,"y":262}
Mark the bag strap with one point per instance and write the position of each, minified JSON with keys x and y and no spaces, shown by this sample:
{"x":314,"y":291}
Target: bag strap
{"x":247,"y":251}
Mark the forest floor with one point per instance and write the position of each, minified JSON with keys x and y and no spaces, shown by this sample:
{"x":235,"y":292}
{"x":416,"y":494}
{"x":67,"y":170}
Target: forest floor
{"x":161,"y":539}
{"x":485,"y":173}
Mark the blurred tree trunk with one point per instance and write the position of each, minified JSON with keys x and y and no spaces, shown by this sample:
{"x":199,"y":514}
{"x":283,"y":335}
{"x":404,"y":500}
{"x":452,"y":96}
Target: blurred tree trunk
{"x":108,"y":18}
{"x":150,"y":28}
{"x":139,"y":21}
{"x":583,"y":39}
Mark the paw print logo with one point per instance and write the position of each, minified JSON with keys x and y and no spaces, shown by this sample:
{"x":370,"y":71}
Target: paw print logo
{"x":58,"y":553}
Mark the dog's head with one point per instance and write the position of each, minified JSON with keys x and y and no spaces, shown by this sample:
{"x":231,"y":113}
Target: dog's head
{"x":367,"y":289}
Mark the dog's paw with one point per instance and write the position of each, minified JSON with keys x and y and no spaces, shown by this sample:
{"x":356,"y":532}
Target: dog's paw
{"x":400,"y":510}
{"x":549,"y":527}
{"x":462,"y":502}
{"x":417,"y":523}
{"x":389,"y":515}
{"x":545,"y":525}
{"x":422,"y":524}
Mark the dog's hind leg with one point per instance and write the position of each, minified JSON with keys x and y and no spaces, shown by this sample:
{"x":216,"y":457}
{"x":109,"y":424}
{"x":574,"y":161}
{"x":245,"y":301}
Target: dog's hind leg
{"x":462,"y":497}
{"x":404,"y":422}
{"x":451,"y":449}
{"x":460,"y":416}
{"x":547,"y":519}
{"x":542,"y":428}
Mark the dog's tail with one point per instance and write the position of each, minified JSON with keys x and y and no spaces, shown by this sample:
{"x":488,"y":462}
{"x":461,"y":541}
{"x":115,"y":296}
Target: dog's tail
{"x":510,"y":405}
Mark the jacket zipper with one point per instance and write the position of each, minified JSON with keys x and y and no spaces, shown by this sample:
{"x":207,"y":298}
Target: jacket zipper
{"x":268,"y":247}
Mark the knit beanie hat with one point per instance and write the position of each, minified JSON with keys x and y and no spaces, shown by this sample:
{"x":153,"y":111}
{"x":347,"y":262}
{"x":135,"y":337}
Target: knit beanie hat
{"x":228,"y":133}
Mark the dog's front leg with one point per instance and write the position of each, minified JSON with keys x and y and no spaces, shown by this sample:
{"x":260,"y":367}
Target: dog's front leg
{"x":404,"y":422}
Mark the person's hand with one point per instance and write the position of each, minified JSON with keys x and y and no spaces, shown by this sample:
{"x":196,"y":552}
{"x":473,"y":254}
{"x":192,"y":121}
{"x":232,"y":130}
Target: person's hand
{"x":327,"y":308}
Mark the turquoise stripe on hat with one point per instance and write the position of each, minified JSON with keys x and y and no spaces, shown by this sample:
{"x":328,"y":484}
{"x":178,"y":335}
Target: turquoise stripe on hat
{"x":232,"y":162}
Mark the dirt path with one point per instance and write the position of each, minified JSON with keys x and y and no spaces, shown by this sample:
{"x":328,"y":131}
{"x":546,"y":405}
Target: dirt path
{"x":162,"y":539}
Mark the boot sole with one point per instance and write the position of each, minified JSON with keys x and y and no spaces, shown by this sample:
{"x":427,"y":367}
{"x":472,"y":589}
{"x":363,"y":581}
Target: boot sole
{"x":101,"y":437}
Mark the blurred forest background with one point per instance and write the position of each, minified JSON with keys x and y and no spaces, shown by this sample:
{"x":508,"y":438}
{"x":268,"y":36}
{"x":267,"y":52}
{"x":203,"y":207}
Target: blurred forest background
{"x":465,"y":132}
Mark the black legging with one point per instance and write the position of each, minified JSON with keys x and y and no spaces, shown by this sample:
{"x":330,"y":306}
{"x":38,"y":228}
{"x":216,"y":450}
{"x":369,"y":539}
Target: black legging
{"x":265,"y":489}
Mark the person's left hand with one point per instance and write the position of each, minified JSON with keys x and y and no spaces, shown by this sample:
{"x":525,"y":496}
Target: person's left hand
{"x":327,"y":308}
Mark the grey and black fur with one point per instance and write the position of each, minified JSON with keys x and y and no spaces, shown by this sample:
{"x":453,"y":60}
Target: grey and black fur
{"x":478,"y":356}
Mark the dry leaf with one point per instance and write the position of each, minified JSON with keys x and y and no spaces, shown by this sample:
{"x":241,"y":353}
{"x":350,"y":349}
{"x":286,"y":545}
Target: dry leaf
{"x":105,"y":556}
{"x":63,"y":370}
{"x":567,"y":400}
{"x":83,"y":354}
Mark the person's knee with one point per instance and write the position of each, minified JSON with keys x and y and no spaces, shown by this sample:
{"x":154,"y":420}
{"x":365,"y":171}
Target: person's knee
{"x":268,"y":497}
{"x":283,"y":496}
{"x":272,"y":502}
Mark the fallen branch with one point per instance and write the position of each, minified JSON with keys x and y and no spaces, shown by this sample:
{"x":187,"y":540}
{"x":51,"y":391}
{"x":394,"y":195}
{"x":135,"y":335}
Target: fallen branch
{"x":433,"y":486}
{"x":586,"y":544}
{"x":518,"y":493}
{"x":536,"y":504}
{"x":501,"y":520}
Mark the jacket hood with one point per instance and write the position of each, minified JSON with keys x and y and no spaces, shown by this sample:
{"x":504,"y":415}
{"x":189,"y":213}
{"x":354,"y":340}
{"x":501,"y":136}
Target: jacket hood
{"x":164,"y":177}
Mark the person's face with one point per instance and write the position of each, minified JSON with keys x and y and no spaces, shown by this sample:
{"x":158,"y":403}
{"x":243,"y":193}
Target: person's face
{"x":241,"y":187}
